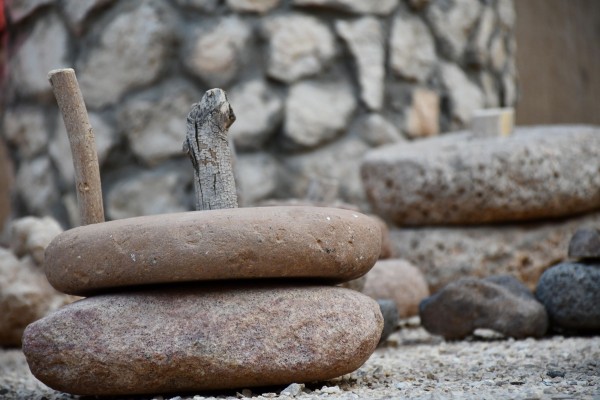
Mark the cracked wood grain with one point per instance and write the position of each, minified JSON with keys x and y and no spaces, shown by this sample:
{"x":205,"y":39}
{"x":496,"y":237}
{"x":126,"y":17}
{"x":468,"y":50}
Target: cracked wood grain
{"x":207,"y":145}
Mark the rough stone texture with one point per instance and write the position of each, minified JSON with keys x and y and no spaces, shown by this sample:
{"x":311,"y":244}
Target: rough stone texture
{"x":503,"y":305}
{"x":256,"y":6}
{"x":389,"y":311}
{"x":571,"y":294}
{"x":464,"y":96}
{"x":299,"y":46}
{"x":380,"y":7}
{"x":179,"y":340}
{"x":60,"y":149}
{"x":365,"y":39}
{"x":25,"y":128}
{"x":258,"y":110}
{"x":150,"y":192}
{"x":155,"y":121}
{"x":35,"y":185}
{"x":423,"y":116}
{"x":45,"y":49}
{"x":317,"y":112}
{"x":585,"y":244}
{"x":256,"y":177}
{"x":264,"y":242}
{"x":30,"y":237}
{"x":412,"y":48}
{"x":336,"y":162}
{"x":138,"y":37}
{"x":524,"y":251}
{"x":452,"y":23}
{"x":400,"y":281}
{"x":538,"y":172}
{"x":215,"y":54}
{"x":375,"y":130}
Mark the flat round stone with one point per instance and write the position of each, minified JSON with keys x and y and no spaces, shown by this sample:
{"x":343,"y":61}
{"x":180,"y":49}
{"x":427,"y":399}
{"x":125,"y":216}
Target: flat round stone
{"x":203,"y":338}
{"x":241,"y":243}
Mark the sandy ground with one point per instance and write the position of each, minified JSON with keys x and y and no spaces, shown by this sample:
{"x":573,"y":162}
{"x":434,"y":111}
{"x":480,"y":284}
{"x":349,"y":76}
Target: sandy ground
{"x":412,"y":365}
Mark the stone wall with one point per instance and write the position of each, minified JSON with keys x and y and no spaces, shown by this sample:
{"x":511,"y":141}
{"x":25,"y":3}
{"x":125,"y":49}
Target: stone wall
{"x":314,"y":84}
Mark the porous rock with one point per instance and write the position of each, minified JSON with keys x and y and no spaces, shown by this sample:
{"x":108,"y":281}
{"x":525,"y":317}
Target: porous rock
{"x":501,"y":304}
{"x":365,"y":39}
{"x":134,"y":38}
{"x":380,"y":7}
{"x":299,"y":46}
{"x":585,"y":244}
{"x":264,"y":242}
{"x":446,"y":254}
{"x":571,"y":293}
{"x":400,"y":281}
{"x":538,"y":172}
{"x":317,"y":112}
{"x":203,"y":338}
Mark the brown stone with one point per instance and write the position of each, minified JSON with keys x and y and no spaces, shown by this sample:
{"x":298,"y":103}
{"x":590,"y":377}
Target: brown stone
{"x":265,"y":242}
{"x":400,"y":281}
{"x":203,"y":338}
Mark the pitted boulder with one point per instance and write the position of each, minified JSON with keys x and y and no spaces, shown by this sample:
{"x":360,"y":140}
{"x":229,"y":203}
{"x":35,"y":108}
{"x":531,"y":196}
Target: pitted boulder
{"x":266,"y":242}
{"x":203,"y":338}
{"x":539,"y":172}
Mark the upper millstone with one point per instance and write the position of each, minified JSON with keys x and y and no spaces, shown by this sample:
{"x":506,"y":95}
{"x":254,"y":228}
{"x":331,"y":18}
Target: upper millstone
{"x":202,"y":338}
{"x":266,"y":242}
{"x":539,"y":172}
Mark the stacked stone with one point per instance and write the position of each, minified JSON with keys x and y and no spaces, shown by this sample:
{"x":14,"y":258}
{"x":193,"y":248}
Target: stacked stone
{"x":489,"y":194}
{"x":172,"y":308}
{"x":571,"y":290}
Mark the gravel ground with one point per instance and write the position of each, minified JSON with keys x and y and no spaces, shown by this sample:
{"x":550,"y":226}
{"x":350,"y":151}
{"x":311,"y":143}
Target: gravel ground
{"x":413,"y":365}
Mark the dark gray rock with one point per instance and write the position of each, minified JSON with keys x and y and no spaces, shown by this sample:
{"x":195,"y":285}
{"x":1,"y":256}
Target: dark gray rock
{"x":585,"y":243}
{"x":500,"y":303}
{"x":571,"y":294}
{"x":391,"y":317}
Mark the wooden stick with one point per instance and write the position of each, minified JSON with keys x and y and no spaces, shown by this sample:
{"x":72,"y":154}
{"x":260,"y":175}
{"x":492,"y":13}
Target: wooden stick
{"x":83,"y":145}
{"x":207,"y":145}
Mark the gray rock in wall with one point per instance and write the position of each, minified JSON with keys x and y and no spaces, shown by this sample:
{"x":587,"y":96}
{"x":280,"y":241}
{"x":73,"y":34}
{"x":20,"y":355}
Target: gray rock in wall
{"x":60,"y":149}
{"x":37,"y":186}
{"x":215,"y":54}
{"x":478,"y":49}
{"x":146,"y":193}
{"x":316,"y":112}
{"x":380,"y":7}
{"x":256,"y":177}
{"x":423,"y":114}
{"x":498,"y":53}
{"x":132,"y":51}
{"x":77,"y":11}
{"x":258,"y":110}
{"x":365,"y":39}
{"x":376,"y":131}
{"x":299,"y":46}
{"x":45,"y":49}
{"x":255,"y":6}
{"x":335,"y":162}
{"x":489,"y":89}
{"x":202,"y":5}
{"x":20,"y":9}
{"x":465,"y":96}
{"x":452,"y":23}
{"x":446,"y":254}
{"x":538,"y":172}
{"x":506,"y":13}
{"x":412,"y":48}
{"x":25,"y":128}
{"x":155,"y":121}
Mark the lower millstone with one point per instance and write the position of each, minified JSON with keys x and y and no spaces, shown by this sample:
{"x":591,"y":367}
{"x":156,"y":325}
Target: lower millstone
{"x":203,"y":338}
